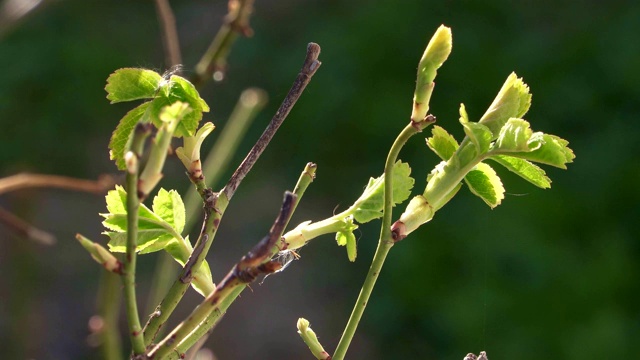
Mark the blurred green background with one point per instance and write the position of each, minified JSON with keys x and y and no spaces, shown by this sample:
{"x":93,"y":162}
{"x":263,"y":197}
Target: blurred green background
{"x":549,"y":274}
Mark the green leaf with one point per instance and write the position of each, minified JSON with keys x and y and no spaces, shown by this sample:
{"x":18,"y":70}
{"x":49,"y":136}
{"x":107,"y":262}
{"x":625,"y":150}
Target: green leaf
{"x":512,"y":101}
{"x":515,"y":136}
{"x":549,"y":149}
{"x":169,"y":206}
{"x":117,"y":204}
{"x":370,"y":204}
{"x":442,"y":143}
{"x":148,"y":240}
{"x":345,"y":237}
{"x":154,"y":232}
{"x":122,"y":133}
{"x":479,"y":135}
{"x":485,"y":183}
{"x":132,"y":84}
{"x":180,"y":89}
{"x":526,"y":170}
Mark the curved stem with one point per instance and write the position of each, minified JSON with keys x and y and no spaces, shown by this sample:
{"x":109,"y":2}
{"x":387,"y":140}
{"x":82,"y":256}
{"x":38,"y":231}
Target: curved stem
{"x":384,"y":244}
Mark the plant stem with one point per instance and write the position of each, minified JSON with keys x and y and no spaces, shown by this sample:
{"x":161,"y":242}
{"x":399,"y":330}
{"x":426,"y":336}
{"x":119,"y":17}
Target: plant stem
{"x":23,"y":229}
{"x":214,"y":208}
{"x":217,"y":203}
{"x":309,"y":68}
{"x":250,"y":103}
{"x":169,"y":33}
{"x":306,"y":177}
{"x":215,"y":58}
{"x":26,"y":180}
{"x":384,"y":244}
{"x":140,"y":133}
{"x":109,"y":298}
{"x":252,"y":265}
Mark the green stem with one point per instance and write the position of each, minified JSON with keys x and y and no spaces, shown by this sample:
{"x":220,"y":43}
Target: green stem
{"x":385,"y":243}
{"x":141,"y":131}
{"x":109,"y":298}
{"x":306,"y":178}
{"x":215,"y":58}
{"x":221,"y":200}
{"x":214,"y":209}
{"x":253,"y":264}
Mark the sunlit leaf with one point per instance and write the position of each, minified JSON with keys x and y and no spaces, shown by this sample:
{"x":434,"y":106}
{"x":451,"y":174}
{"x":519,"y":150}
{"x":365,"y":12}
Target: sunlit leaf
{"x":132,"y":84}
{"x":169,"y":206}
{"x":442,"y":143}
{"x":485,"y":183}
{"x":122,"y":133}
{"x":523,"y":168}
{"x":512,"y":101}
{"x":370,"y":204}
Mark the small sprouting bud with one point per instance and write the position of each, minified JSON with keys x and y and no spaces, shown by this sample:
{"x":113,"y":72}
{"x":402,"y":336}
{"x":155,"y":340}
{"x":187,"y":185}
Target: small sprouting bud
{"x":189,"y":154}
{"x":309,"y":337}
{"x":303,"y":325}
{"x":418,"y":212}
{"x":434,"y":56}
{"x":512,"y":101}
{"x":131,"y":162}
{"x":100,"y":254}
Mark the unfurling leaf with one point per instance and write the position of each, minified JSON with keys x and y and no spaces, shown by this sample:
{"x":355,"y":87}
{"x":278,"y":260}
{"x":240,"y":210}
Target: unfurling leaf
{"x":479,"y":135}
{"x":434,"y":56}
{"x":512,"y":101}
{"x":370,"y":204}
{"x":515,"y":136}
{"x":132,"y":84}
{"x":345,"y":237}
{"x":442,"y":143}
{"x":485,"y":183}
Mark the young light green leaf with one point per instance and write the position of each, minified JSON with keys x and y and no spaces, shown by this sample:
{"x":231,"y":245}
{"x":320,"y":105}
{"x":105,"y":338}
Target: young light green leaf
{"x":148,"y":241}
{"x":117,"y":204}
{"x":345,"y":237}
{"x":512,"y":101}
{"x":479,"y":135}
{"x":370,"y":204}
{"x":442,"y":143}
{"x":549,"y":149}
{"x":132,"y":84}
{"x":526,"y":170}
{"x":179,"y":89}
{"x":122,"y":133}
{"x":154,"y":233}
{"x":348,"y":239}
{"x":485,"y":183}
{"x":515,"y":136}
{"x":169,"y":206}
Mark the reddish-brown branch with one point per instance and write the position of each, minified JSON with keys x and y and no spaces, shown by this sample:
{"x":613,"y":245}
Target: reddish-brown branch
{"x":26,"y":180}
{"x":24,"y":229}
